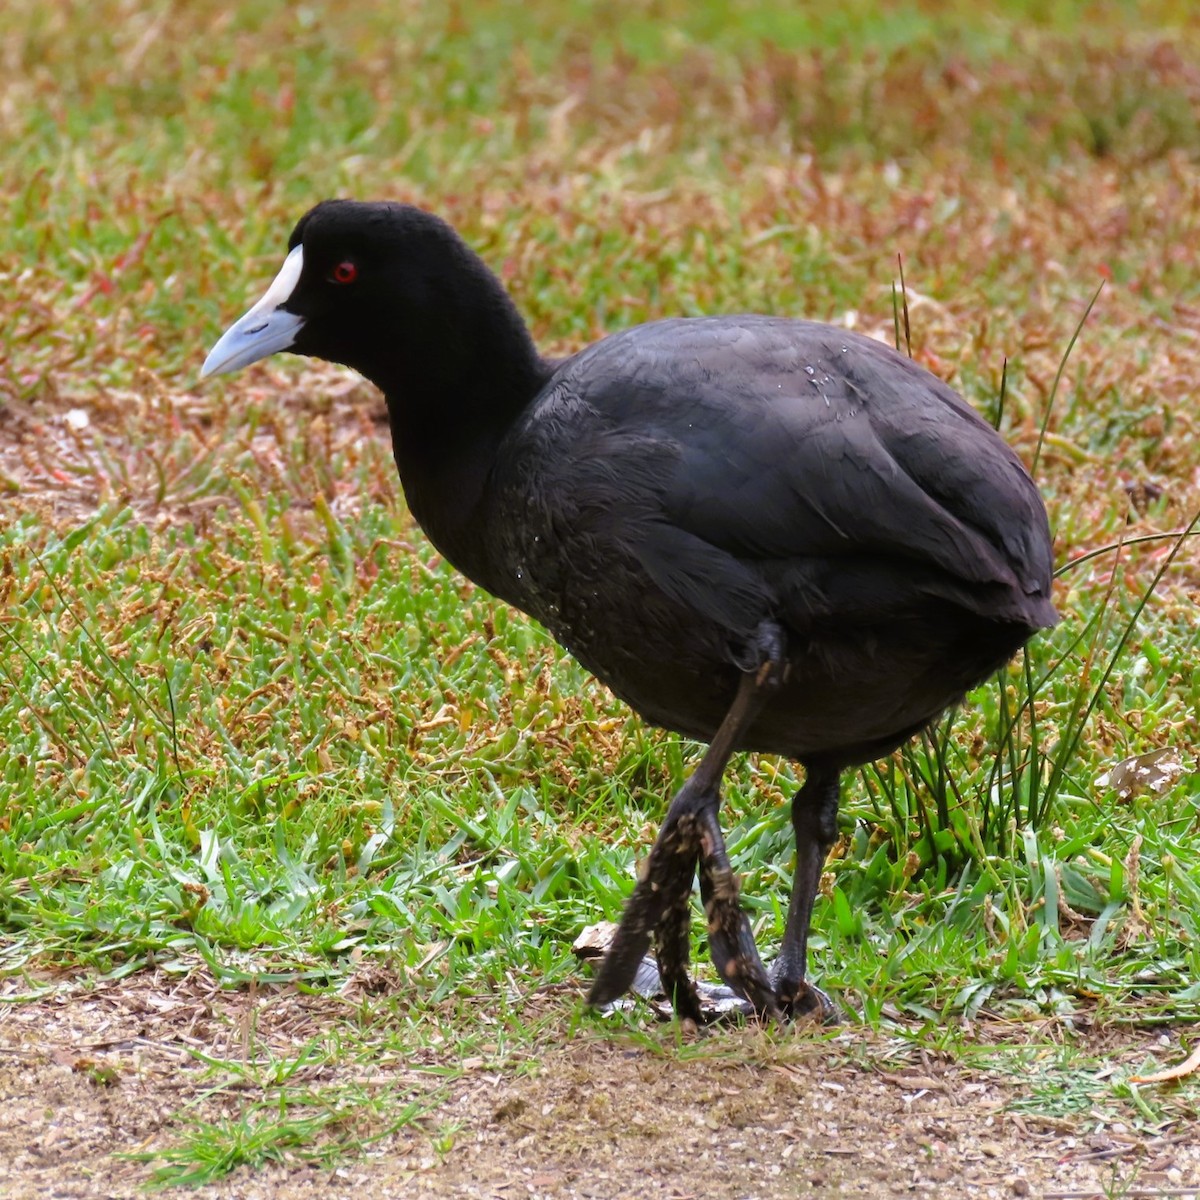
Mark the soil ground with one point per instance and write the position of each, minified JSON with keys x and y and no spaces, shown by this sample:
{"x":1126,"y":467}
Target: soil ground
{"x":91,"y":1075}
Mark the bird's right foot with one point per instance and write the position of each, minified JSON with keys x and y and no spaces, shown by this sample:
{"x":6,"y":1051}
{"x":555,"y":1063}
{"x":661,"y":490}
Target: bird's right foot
{"x":660,"y":907}
{"x":691,"y":834}
{"x":730,"y":939}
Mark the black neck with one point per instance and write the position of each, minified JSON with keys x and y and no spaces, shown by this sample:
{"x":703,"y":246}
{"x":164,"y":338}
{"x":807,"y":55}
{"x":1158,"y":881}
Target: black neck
{"x":455,"y":380}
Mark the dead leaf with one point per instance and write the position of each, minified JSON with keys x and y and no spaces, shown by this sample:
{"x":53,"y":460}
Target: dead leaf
{"x":1189,"y":1066}
{"x":1155,"y":771}
{"x":914,"y":1082}
{"x":593,"y":943}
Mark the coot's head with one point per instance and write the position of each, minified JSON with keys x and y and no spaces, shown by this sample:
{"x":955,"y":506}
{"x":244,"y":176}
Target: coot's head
{"x":381,"y":287}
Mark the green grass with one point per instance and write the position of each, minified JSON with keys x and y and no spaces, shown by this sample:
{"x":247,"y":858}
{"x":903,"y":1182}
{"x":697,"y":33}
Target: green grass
{"x":250,"y":719}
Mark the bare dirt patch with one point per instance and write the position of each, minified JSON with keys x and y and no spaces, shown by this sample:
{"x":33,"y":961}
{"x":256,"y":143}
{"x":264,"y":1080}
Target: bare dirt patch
{"x":91,"y":1074}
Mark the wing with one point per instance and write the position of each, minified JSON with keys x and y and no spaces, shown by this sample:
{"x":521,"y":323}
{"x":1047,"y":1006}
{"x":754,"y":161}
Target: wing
{"x":754,"y":458}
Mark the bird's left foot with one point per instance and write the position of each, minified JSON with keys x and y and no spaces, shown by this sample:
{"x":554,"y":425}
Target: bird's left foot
{"x":801,"y":1000}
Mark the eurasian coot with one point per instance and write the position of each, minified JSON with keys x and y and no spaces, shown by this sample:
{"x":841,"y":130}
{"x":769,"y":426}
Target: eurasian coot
{"x":767,"y":534}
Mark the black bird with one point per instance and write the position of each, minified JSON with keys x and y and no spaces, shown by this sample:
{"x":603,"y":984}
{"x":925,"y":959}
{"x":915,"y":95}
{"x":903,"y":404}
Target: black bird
{"x":767,"y":534}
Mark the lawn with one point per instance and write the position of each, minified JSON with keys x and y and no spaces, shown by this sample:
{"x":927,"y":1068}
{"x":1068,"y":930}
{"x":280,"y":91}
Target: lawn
{"x":297,"y":827}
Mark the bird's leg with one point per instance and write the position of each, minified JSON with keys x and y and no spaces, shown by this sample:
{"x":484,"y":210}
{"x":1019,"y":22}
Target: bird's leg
{"x":814,"y":822}
{"x":672,"y":941}
{"x":660,"y":903}
{"x":730,"y":939}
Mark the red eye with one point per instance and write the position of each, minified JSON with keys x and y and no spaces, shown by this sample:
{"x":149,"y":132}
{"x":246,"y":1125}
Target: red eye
{"x":345,"y":272}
